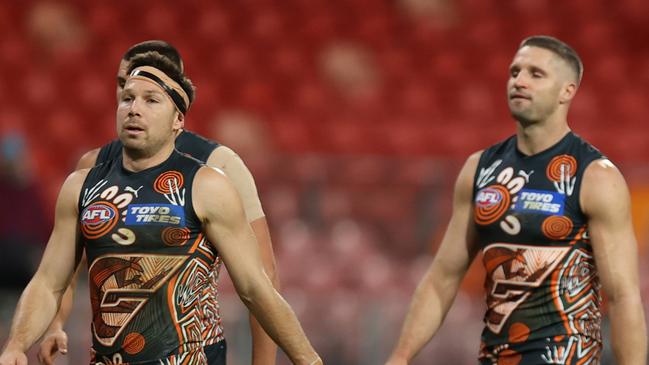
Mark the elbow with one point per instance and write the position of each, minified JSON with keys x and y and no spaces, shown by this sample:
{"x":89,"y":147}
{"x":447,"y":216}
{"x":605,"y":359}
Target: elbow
{"x":251,"y":294}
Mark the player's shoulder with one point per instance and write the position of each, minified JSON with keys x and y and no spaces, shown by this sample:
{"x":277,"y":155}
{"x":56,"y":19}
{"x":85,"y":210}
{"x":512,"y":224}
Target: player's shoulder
{"x":467,"y":173}
{"x":74,"y":182}
{"x":88,"y":159}
{"x":499,"y":149}
{"x":77,"y":176}
{"x":603,"y":188}
{"x":209,"y":175}
{"x":602,"y":171}
{"x":222,"y":156}
{"x":196,"y":145}
{"x":109,"y":151}
{"x":210,"y":182}
{"x":474,"y":158}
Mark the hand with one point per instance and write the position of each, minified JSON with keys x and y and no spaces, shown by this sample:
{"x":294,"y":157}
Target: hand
{"x":13,"y":357}
{"x":54,"y":342}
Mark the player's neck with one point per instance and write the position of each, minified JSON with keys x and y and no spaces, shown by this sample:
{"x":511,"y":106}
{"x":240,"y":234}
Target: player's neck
{"x":537,"y":137}
{"x":136,"y":162}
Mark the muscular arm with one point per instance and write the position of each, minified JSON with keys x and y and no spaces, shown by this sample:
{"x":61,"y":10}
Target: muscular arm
{"x":437,"y":289}
{"x":606,"y":202}
{"x":56,"y":339}
{"x":263,"y":348}
{"x":87,"y":161}
{"x":40,"y":299}
{"x":225,"y":225}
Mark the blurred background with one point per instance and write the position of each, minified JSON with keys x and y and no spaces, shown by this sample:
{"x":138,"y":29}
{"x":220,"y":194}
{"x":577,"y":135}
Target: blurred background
{"x":354,"y":116}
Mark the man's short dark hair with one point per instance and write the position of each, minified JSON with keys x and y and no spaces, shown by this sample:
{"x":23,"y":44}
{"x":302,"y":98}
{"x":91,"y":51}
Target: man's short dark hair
{"x":164,"y":64}
{"x":159,"y":46}
{"x":559,"y":48}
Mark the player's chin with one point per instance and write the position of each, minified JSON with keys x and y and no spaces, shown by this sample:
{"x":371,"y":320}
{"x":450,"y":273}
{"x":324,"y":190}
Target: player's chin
{"x":519,"y":113}
{"x":132,"y":142}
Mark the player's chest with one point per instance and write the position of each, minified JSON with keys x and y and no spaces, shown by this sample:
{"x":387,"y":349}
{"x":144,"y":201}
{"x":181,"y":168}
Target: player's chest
{"x":119,"y":211}
{"x":527,"y":201}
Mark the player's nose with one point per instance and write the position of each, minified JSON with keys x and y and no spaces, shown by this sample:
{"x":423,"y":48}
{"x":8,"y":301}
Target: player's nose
{"x":135,"y":107}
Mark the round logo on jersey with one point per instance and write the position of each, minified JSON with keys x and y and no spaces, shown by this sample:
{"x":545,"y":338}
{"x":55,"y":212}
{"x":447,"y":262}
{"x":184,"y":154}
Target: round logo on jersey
{"x":172,"y":236}
{"x":168,"y":182}
{"x":98,"y":219}
{"x":133,"y":343}
{"x":561,"y":166}
{"x":556,"y":227}
{"x":491,"y":203}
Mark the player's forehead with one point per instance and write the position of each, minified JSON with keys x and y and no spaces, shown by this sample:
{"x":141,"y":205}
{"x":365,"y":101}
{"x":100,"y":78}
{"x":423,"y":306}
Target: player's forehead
{"x":529,"y":56}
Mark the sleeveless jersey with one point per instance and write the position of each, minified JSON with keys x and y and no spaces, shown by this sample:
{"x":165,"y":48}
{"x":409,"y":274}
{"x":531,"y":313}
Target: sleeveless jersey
{"x":542,"y":289}
{"x":149,"y":265}
{"x":199,"y":148}
{"x":187,"y":142}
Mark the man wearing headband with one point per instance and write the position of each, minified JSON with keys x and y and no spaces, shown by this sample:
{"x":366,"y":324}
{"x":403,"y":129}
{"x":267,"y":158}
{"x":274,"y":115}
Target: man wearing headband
{"x":153,"y":223}
{"x":213,"y":154}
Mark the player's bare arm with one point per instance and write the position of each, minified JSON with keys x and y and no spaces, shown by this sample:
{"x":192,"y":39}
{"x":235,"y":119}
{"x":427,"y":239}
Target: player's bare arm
{"x":219,"y":207}
{"x":40,"y":299}
{"x":56,"y":340}
{"x":263,"y":347}
{"x":605,"y":200}
{"x":242,"y":180}
{"x":438,"y":287}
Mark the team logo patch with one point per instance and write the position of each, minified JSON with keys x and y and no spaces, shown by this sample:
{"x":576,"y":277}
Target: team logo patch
{"x":98,"y":219}
{"x":540,"y":201}
{"x":162,"y":214}
{"x":491,"y":203}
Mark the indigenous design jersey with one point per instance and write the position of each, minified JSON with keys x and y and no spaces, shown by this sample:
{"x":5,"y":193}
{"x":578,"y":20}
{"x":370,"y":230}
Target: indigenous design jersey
{"x":542,"y":288}
{"x":200,"y":148}
{"x":149,"y":266}
{"x":187,"y":142}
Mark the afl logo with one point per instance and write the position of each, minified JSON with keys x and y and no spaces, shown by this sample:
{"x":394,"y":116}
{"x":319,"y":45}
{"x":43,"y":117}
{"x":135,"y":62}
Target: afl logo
{"x":98,"y":219}
{"x":491,"y":203}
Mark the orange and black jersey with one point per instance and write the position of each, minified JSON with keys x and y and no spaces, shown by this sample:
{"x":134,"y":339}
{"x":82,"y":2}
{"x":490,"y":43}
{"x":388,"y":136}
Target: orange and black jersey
{"x":542,"y":288}
{"x":150,"y":267}
{"x":187,"y":142}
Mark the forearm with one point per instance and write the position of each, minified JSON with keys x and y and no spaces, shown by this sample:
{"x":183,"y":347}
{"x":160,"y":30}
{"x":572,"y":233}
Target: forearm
{"x":35,"y":311}
{"x":66,"y":305}
{"x":428,"y":308}
{"x":64,"y":310}
{"x":264,"y":350}
{"x":628,"y":331}
{"x":280,"y":323}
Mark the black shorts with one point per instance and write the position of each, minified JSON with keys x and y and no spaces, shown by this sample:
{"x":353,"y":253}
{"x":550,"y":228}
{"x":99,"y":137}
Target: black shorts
{"x":216,"y":353}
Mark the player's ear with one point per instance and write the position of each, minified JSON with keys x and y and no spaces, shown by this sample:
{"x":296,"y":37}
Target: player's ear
{"x":179,"y":121}
{"x":568,"y":92}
